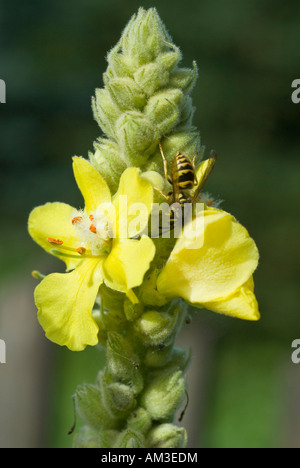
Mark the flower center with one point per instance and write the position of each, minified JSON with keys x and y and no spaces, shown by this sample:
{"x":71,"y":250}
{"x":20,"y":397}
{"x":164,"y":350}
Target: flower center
{"x":93,"y":235}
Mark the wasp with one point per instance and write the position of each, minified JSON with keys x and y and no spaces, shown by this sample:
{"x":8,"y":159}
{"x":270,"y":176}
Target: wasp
{"x":184,"y":177}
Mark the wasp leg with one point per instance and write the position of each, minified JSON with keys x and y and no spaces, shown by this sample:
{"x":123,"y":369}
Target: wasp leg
{"x":165,"y":163}
{"x":193,"y":163}
{"x":167,"y":197}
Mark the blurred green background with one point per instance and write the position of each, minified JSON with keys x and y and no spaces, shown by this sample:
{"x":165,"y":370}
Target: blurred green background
{"x":52,"y":56}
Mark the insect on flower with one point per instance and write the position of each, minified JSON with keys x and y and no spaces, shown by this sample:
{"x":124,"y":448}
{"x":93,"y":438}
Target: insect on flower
{"x":184,"y":178}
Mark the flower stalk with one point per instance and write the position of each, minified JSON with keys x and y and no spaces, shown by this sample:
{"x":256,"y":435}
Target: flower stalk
{"x":129,"y":293}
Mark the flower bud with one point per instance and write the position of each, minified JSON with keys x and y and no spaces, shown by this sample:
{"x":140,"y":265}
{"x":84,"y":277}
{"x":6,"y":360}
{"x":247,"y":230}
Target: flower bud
{"x":159,"y":355}
{"x":163,"y":109}
{"x":105,"y":111}
{"x":168,"y":60}
{"x":122,"y":363}
{"x":167,"y":436}
{"x":157,"y":327}
{"x":119,"y":398}
{"x":126,"y":93}
{"x":119,"y":64}
{"x":183,"y":78}
{"x":147,"y":291}
{"x":108,"y":438}
{"x":130,"y":439}
{"x":132,"y":311}
{"x":164,"y":394}
{"x":107,"y":161}
{"x":137,"y":137}
{"x":86,"y":438}
{"x":145,"y":37}
{"x":140,"y":420}
{"x":91,"y":408}
{"x":151,"y":77}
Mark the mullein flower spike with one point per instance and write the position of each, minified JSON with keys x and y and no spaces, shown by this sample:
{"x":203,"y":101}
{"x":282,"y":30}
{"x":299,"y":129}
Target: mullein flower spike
{"x":122,"y":289}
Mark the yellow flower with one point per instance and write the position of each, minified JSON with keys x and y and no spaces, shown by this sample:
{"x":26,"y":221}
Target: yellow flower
{"x":96,"y":246}
{"x":213,"y":268}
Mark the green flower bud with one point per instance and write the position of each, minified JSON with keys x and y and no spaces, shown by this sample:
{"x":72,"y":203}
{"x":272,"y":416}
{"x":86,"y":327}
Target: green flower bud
{"x":137,"y":137}
{"x":155,"y":327}
{"x":107,"y":161}
{"x":119,"y":64}
{"x":91,"y":408}
{"x":108,"y":438}
{"x":132,"y":311}
{"x":106,"y":112}
{"x":122,"y":362}
{"x":130,"y":439}
{"x":148,"y":293}
{"x":151,"y":77}
{"x":158,"y":356}
{"x":120,"y":399}
{"x":114,"y":320}
{"x":140,"y":420}
{"x":145,"y":37}
{"x":158,"y":327}
{"x":126,"y":93}
{"x":163,"y":109}
{"x":168,"y":60}
{"x":167,"y":436}
{"x":164,"y":394}
{"x":86,"y":438}
{"x":183,"y":78}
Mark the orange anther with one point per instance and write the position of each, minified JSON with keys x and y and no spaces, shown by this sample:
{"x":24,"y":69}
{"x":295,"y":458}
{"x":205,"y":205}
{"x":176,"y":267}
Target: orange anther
{"x":81,"y":250}
{"x":77,"y":219}
{"x":210,"y":202}
{"x":54,"y":241}
{"x":93,"y":229}
{"x":91,"y":217}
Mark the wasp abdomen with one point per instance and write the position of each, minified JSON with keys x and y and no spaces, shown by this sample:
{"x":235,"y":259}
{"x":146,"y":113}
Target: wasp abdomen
{"x":183,"y":172}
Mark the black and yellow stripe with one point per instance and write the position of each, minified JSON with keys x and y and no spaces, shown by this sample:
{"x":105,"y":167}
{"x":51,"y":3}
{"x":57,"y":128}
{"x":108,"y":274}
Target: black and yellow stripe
{"x":183,"y":174}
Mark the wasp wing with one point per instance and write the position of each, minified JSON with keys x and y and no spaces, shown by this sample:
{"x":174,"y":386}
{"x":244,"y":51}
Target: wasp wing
{"x":203,"y":171}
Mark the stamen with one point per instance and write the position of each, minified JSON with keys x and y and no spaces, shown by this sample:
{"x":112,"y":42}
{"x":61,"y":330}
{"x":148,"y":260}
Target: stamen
{"x":63,"y":254}
{"x":91,"y":217}
{"x":36,"y":274}
{"x":81,"y":250}
{"x":76,"y":219}
{"x":93,"y":229}
{"x":54,"y":241}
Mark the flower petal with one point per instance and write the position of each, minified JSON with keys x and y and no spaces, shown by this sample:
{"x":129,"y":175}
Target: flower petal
{"x":93,"y":187}
{"x":212,"y":263}
{"x":65,"y":302}
{"x":53,"y":220}
{"x":241,"y":304}
{"x":127,"y":263}
{"x":132,"y":202}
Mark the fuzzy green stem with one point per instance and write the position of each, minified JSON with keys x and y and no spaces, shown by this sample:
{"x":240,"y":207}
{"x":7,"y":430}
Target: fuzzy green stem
{"x":146,"y":97}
